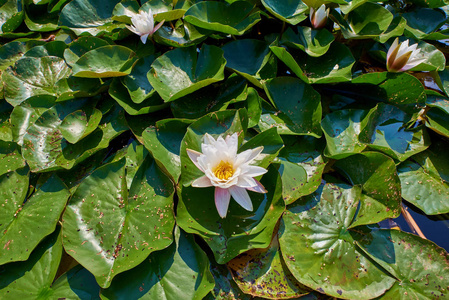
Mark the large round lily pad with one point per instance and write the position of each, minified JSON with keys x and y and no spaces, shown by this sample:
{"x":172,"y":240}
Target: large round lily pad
{"x":319,"y":250}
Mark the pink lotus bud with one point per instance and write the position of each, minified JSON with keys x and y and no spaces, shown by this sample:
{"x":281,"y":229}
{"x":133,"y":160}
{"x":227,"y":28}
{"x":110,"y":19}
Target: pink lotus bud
{"x":318,"y":18}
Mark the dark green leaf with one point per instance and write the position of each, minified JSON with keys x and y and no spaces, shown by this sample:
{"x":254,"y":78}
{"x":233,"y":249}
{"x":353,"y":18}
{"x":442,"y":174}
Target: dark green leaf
{"x":235,"y":18}
{"x":181,"y":269}
{"x":298,"y":107}
{"x":291,"y":11}
{"x":188,"y":72}
{"x":109,"y":230}
{"x":32,"y":220}
{"x":106,"y":61}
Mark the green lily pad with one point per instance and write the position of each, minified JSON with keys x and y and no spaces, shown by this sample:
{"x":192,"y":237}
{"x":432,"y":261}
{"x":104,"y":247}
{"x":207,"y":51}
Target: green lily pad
{"x":250,"y":58}
{"x":13,"y":51}
{"x":318,"y":247}
{"x":183,"y":34}
{"x":79,"y":124}
{"x":298,"y":107}
{"x":32,"y":76}
{"x":396,"y":28}
{"x":181,"y":66}
{"x":11,"y":15}
{"x":436,"y":119}
{"x":388,"y":87}
{"x":32,"y":279}
{"x":419,"y":265}
{"x":94,"y":232}
{"x":385,"y":131}
{"x":77,"y":283}
{"x":376,"y":174}
{"x":210,"y":98}
{"x":137,"y":84}
{"x":425,"y":181}
{"x":262,"y":273}
{"x":27,"y":113}
{"x":31,"y":221}
{"x":39,"y":18}
{"x":291,"y":11}
{"x":181,"y":269}
{"x":341,"y":129}
{"x":334,"y":66}
{"x":301,"y":165}
{"x":234,"y":18}
{"x":55,"y":48}
{"x":167,"y":10}
{"x":106,"y":61}
{"x":80,"y":47}
{"x":10,"y":158}
{"x":422,"y":22}
{"x":89,"y":16}
{"x":314,"y":42}
{"x":366,"y":21}
{"x":225,"y":286}
{"x":164,"y":142}
{"x":45,"y":149}
{"x":240,"y":230}
{"x":123,"y":97}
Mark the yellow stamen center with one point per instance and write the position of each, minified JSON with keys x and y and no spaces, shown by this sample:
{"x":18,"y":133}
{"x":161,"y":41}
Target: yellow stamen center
{"x":224,"y":170}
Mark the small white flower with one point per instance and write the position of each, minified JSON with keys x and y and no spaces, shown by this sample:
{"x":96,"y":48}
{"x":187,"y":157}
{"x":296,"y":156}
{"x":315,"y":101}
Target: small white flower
{"x":230,"y":173}
{"x":143,"y":25}
{"x":402,"y":57}
{"x":318,"y":18}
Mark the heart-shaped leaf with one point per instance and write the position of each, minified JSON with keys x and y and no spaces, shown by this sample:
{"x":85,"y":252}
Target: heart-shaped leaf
{"x":319,"y":250}
{"x":181,"y":269}
{"x":181,"y":66}
{"x":103,"y":223}
{"x":234,"y":18}
{"x":298,"y":107}
{"x":106,"y":61}
{"x":31,"y":221}
{"x":292,"y":11}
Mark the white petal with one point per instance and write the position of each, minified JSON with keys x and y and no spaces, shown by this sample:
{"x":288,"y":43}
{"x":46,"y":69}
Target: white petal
{"x":246,"y":181}
{"x":132,"y":29}
{"x":241,"y":196}
{"x":222,"y":197}
{"x":247,"y":156}
{"x":232,"y":141}
{"x":144,"y":37}
{"x":259,"y":188}
{"x":253,"y":171}
{"x":411,"y":64}
{"x":208,"y":139}
{"x":194,"y":155}
{"x":203,"y":181}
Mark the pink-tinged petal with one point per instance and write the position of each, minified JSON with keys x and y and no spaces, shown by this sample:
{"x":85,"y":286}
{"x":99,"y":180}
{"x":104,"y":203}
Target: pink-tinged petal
{"x":259,"y":188}
{"x":203,"y":181}
{"x":246,"y":181}
{"x":222,"y":197}
{"x":158,"y":26}
{"x":194,"y":157}
{"x":393,"y":46}
{"x":241,"y":196}
{"x":144,"y":38}
{"x":253,"y":171}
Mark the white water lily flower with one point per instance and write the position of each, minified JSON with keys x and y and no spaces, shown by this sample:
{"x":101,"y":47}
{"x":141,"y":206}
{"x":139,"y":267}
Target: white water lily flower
{"x":230,"y":173}
{"x":318,"y":17}
{"x":402,"y":57}
{"x":143,"y":25}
